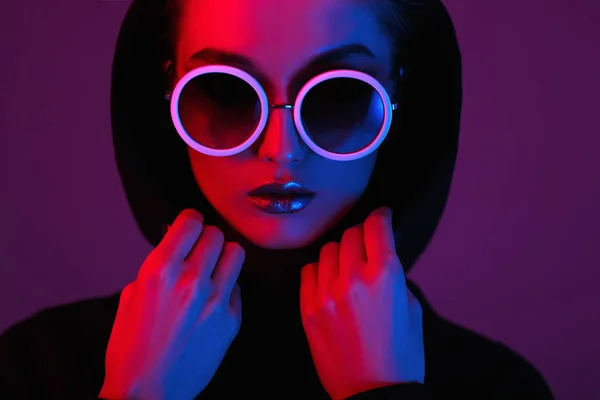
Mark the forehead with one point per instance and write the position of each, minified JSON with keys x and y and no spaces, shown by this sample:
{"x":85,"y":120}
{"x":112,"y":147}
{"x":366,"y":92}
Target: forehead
{"x":279,"y":36}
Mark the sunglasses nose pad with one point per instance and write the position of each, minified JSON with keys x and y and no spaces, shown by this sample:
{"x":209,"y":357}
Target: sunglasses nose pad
{"x":280,"y":141}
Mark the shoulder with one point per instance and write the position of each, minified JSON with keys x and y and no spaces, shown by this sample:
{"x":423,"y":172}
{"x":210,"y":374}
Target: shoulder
{"x":456,"y":355}
{"x":66,"y":342}
{"x":87,"y":316}
{"x":461,"y":360}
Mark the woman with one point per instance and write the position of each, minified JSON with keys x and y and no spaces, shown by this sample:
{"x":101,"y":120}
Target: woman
{"x":264,"y":147}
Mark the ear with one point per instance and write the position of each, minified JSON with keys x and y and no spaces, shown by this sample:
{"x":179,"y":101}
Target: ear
{"x":167,"y":67}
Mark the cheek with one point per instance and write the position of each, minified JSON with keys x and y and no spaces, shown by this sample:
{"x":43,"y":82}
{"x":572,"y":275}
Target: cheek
{"x":348,"y":178}
{"x":214,"y":175}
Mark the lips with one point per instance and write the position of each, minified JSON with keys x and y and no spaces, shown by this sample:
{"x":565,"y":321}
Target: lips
{"x":281,"y":198}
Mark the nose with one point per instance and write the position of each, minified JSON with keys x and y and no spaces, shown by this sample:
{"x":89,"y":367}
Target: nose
{"x":281,"y":143}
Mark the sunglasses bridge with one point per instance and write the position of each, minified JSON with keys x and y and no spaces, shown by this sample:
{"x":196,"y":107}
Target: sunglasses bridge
{"x":168,"y":95}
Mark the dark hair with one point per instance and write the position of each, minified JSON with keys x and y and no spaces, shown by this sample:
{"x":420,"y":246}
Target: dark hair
{"x":414,"y":166}
{"x":398,"y":18}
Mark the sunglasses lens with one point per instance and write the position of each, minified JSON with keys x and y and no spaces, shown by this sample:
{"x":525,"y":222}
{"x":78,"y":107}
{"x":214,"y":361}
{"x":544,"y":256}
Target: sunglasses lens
{"x":219,"y":110}
{"x":342,"y":115}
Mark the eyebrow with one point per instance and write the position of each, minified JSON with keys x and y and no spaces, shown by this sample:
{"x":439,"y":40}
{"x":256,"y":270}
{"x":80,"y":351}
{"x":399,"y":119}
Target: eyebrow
{"x":328,"y":57}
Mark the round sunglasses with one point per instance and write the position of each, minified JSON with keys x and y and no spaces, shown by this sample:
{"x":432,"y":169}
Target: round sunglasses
{"x":220,"y":110}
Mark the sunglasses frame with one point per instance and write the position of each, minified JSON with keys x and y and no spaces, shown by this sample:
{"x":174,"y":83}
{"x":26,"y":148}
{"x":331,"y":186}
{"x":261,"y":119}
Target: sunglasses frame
{"x":388,"y":109}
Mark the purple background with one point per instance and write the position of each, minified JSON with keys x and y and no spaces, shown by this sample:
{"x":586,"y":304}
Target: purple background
{"x":514,"y":257}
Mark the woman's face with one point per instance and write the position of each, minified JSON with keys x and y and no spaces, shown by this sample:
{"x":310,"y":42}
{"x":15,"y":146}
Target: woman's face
{"x":280,"y":38}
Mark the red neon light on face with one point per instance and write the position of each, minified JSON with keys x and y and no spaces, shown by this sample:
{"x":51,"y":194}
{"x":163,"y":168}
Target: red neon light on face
{"x":267,"y":33}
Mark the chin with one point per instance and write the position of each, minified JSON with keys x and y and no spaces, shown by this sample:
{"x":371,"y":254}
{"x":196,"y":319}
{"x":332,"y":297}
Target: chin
{"x":276,"y":231}
{"x":280,"y":241}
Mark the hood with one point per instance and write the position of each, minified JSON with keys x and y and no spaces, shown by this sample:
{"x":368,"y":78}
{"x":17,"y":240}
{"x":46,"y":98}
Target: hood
{"x":414,"y":167}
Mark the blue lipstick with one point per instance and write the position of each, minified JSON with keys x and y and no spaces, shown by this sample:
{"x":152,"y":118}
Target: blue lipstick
{"x":281,"y":198}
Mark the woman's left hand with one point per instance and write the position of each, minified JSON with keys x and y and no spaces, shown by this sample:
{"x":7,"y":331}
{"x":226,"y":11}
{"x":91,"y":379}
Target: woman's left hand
{"x":363,"y":325}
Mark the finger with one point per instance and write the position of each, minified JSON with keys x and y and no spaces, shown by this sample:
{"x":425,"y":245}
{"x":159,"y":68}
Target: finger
{"x":353,"y":256}
{"x":415,"y":309}
{"x":379,"y":237}
{"x":228,"y":269}
{"x":329,"y":267}
{"x":411,"y":299}
{"x":125,"y":298}
{"x":183,"y":234}
{"x":308,"y":282}
{"x":205,"y":254}
{"x":133,"y":304}
{"x":126,"y":294}
{"x":235,"y":301}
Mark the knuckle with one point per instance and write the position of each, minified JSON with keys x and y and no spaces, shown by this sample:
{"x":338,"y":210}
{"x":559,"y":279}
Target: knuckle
{"x":395,"y":271}
{"x":393,"y":262}
{"x":339,"y":290}
{"x":162,"y":273}
{"x":186,"y":293}
{"x":236,"y":250}
{"x":205,"y":289}
{"x":355,"y":289}
{"x":390,"y":271}
{"x":309,"y":313}
{"x":222,"y":303}
{"x":234,"y":321}
{"x":155,"y":258}
{"x":307,"y":271}
{"x":190,"y":213}
{"x":196,"y":291}
{"x":416,"y":307}
{"x":326,"y":305}
{"x":329,"y":248}
{"x":128,"y":289}
{"x":214,"y":233}
{"x":157,"y":272}
{"x":352,"y":231}
{"x":371,"y":219}
{"x":190,"y":290}
{"x":218,"y":305}
{"x":127,"y":292}
{"x":155,"y":279}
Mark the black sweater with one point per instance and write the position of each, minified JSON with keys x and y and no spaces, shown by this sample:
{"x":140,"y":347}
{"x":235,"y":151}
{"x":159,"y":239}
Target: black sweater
{"x":59,"y":354}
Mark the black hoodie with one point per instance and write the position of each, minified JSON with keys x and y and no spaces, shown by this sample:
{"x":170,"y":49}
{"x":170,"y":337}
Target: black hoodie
{"x":59,"y":352}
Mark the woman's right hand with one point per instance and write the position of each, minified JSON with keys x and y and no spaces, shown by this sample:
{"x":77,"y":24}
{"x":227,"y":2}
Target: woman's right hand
{"x":176,"y":321}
